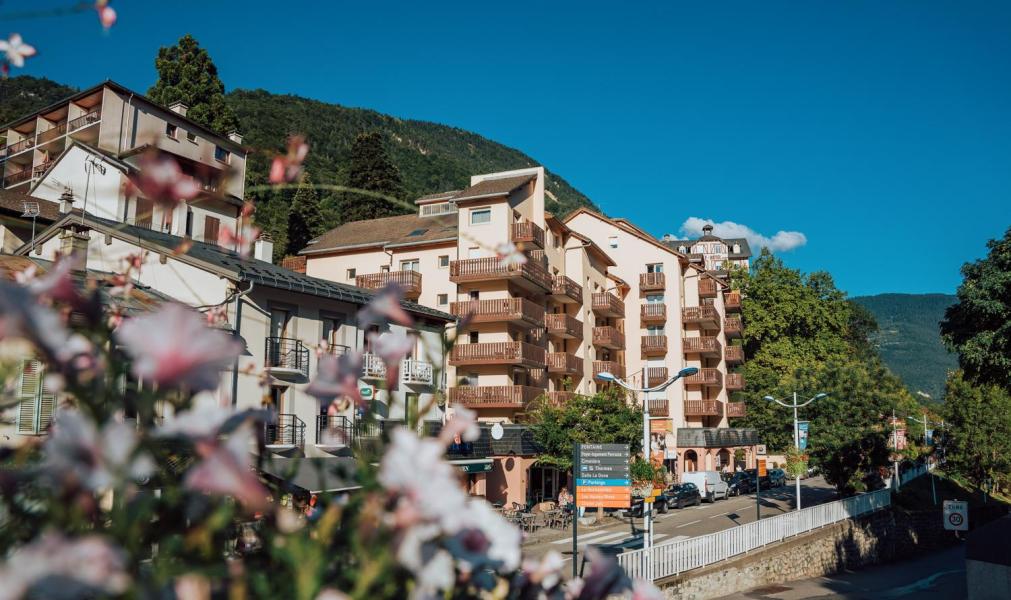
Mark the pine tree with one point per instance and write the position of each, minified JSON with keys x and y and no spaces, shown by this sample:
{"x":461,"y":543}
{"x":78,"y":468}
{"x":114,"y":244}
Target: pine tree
{"x":187,"y":74}
{"x":372,"y":170}
{"x":305,"y":216}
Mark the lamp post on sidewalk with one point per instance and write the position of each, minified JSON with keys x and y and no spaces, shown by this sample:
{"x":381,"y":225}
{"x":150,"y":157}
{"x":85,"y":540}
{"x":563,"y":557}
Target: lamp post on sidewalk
{"x":796,"y":430}
{"x":926,"y":443}
{"x":647,"y":508}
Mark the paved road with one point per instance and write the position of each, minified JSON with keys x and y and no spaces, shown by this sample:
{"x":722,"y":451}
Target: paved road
{"x":684,"y":523}
{"x":940,"y":575}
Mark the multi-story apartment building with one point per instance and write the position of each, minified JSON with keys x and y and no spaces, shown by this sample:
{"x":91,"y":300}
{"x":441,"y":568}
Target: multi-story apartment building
{"x":677,"y":315}
{"x":714,"y":254}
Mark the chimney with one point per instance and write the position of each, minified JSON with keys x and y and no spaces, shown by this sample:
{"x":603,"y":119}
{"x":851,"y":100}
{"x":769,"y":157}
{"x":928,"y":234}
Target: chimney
{"x":66,"y":200}
{"x":263,"y":248}
{"x":74,"y":245}
{"x":235,"y":136}
{"x":668,"y":237}
{"x":707,"y":229}
{"x":179,"y":108}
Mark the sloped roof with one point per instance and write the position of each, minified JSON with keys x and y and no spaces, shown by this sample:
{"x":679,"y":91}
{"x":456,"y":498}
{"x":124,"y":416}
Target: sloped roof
{"x":742,"y":242}
{"x":490,"y":188}
{"x":716,"y":437}
{"x":437,"y":197}
{"x":388,"y":231}
{"x":13,"y":202}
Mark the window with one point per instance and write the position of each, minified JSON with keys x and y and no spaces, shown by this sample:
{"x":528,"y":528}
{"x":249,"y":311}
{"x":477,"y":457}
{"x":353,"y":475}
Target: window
{"x":653,"y":330}
{"x":480,"y":216}
{"x":280,"y":320}
{"x":144,"y":212}
{"x":191,"y":136}
{"x":171,"y":130}
{"x":36,"y":402}
{"x":211,"y":227}
{"x":351,"y":274}
{"x":384,"y":268}
{"x":443,"y":299}
{"x":473,"y":337}
{"x":417,"y":232}
{"x":444,"y":261}
{"x":612,"y":241}
{"x":222,"y":155}
{"x":410,"y":264}
{"x":654,"y":299}
{"x":333,"y":335}
{"x":654,"y":268}
{"x":188,"y":231}
{"x":475,"y":294}
{"x":475,"y":252}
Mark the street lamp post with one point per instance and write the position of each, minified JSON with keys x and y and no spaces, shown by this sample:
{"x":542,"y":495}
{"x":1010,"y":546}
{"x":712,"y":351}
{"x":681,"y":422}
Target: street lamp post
{"x":926,"y":442}
{"x":796,"y":427}
{"x":647,"y":508}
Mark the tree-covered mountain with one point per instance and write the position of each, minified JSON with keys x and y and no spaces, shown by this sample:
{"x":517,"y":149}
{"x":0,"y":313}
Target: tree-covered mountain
{"x":909,"y":338}
{"x":23,"y":95}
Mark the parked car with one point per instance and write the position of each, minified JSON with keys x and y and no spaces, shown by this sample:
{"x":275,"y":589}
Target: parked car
{"x":740,"y":483}
{"x":680,"y":495}
{"x":710,"y":484}
{"x":777,"y":477}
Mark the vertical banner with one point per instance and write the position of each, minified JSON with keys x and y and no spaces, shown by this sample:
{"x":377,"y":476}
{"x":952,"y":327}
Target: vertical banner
{"x":802,"y":433}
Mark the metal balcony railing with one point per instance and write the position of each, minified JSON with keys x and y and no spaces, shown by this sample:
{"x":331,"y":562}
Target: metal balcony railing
{"x":286,"y":430}
{"x":84,"y":120}
{"x":373,"y":366}
{"x":286,"y":355}
{"x":336,"y":430}
{"x":415,"y":372}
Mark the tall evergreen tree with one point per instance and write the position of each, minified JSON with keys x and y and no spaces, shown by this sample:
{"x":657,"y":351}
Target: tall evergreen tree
{"x":187,"y":74}
{"x":305,"y":216}
{"x":371,"y":170}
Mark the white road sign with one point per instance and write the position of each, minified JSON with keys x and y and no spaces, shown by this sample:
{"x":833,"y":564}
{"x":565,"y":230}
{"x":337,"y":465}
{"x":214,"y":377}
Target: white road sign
{"x":956,"y":515}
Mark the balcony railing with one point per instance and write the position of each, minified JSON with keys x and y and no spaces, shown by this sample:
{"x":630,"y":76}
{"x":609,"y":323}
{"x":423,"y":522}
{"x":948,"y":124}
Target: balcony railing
{"x":706,"y":345}
{"x":409,"y":281}
{"x":286,"y":356}
{"x":52,"y":133}
{"x":564,"y":326}
{"x":704,"y":315}
{"x":564,"y":289}
{"x":440,"y":208}
{"x":527,"y":232}
{"x":609,"y":366}
{"x":565,"y":363}
{"x":653,"y":312}
{"x":707,"y":288}
{"x":493,"y":396}
{"x":20,"y":146}
{"x":732,"y":301}
{"x":734,"y":355}
{"x":415,"y":372}
{"x":41,"y":168}
{"x":17,"y":177}
{"x":373,"y":366}
{"x":335,"y":349}
{"x":334,"y":430}
{"x":703,"y":408}
{"x":84,"y":120}
{"x":652,"y":282}
{"x":515,"y":310}
{"x":286,"y":430}
{"x":696,"y":258}
{"x":608,"y":336}
{"x":655,"y":376}
{"x":498,"y":353}
{"x":490,"y":269}
{"x":659,"y":407}
{"x":733,"y":327}
{"x":706,"y":377}
{"x":560,"y":398}
{"x":735,"y":382}
{"x":736,"y":409}
{"x":652,"y":345}
{"x":608,"y":305}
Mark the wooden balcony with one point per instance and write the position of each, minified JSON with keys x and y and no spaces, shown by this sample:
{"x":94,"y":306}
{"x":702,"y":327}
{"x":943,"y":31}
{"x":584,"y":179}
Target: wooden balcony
{"x":703,"y":408}
{"x":607,"y":304}
{"x":608,"y":337}
{"x":527,"y":233}
{"x":518,"y":311}
{"x":734,"y":355}
{"x":704,"y":315}
{"x":493,"y":396}
{"x":655,"y":376}
{"x":706,"y":377}
{"x":565,"y":363}
{"x":52,"y":133}
{"x":707,"y":288}
{"x":659,"y":407}
{"x":409,"y":281}
{"x":732,"y":301}
{"x":653,"y":312}
{"x":706,"y":345}
{"x":563,"y":326}
{"x":416,"y":372}
{"x":696,"y":258}
{"x":565,"y":290}
{"x":17,"y":177}
{"x":498,"y":353}
{"x":735,"y":382}
{"x":531,"y":275}
{"x":652,"y":282}
{"x":39,"y":169}
{"x":600,"y":366}
{"x":560,"y":398}
{"x":21,"y":146}
{"x":653,"y":345}
{"x":736,"y":409}
{"x":733,"y":327}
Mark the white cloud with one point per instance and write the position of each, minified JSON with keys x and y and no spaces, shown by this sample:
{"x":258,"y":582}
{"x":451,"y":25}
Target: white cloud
{"x":782,"y":241}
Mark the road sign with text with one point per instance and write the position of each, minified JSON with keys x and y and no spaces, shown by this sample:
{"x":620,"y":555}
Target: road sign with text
{"x":956,"y":515}
{"x":602,"y":475}
{"x":761,"y":468}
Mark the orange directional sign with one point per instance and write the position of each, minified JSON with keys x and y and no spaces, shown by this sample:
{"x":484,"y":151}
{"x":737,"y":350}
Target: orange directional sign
{"x":602,"y":476}
{"x":761,"y":468}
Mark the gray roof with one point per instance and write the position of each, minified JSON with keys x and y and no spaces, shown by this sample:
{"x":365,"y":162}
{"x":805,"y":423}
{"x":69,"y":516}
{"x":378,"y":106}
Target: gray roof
{"x":495,"y":186}
{"x":743,"y":243}
{"x":314,"y":475}
{"x":716,"y":437}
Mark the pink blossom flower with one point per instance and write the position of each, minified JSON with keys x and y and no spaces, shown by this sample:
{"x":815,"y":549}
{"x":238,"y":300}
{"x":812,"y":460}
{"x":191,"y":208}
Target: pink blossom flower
{"x":384,"y":307}
{"x":546,"y":572}
{"x":288,"y":168}
{"x":99,"y":459}
{"x":463,"y":423}
{"x":203,"y":421}
{"x":53,"y":560}
{"x":173,"y":346}
{"x":240,"y":241}
{"x":226,"y":470}
{"x":59,"y":284}
{"x":391,"y":348}
{"x":106,"y":14}
{"x":509,"y":256}
{"x":16,"y":50}
{"x":337,"y":377}
{"x":160,"y":180}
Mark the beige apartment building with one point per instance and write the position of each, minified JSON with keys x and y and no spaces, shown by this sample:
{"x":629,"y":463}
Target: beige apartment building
{"x":714,"y":254}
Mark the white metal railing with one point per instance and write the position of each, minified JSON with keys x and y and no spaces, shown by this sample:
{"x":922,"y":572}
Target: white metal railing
{"x":373,"y":366}
{"x":913,"y":473}
{"x":672,"y":558}
{"x":418,"y":372}
{"x":434,"y":210}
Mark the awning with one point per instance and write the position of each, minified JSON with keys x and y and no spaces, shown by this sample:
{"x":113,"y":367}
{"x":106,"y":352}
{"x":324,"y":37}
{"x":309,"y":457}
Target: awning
{"x":312,"y":475}
{"x":473,"y":465}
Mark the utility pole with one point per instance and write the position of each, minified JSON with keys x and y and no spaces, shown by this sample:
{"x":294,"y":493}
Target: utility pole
{"x":796,"y":427}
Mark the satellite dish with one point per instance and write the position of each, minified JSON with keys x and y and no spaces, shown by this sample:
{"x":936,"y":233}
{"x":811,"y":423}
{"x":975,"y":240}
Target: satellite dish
{"x":497,"y":431}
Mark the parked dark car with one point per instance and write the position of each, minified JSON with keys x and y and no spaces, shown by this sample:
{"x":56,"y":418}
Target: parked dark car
{"x":777,"y":477}
{"x":740,"y":483}
{"x":678,"y":495}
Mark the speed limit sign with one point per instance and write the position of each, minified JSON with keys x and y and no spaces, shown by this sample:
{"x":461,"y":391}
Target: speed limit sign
{"x":956,"y":515}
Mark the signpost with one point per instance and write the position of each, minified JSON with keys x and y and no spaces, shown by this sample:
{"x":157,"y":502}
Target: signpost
{"x":802,"y":432}
{"x":602,"y":479}
{"x":956,"y":515}
{"x":760,"y":472}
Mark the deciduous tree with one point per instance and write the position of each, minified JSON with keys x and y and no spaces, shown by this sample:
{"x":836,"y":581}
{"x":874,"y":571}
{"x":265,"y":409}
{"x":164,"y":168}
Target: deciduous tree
{"x":604,"y":418}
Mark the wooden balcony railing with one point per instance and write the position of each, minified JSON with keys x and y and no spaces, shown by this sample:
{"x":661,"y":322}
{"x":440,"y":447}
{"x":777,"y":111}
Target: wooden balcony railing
{"x":21,"y":146}
{"x":735,"y":382}
{"x":733,"y":327}
{"x":608,"y":336}
{"x":84,"y":120}
{"x":527,"y":232}
{"x":608,"y":305}
{"x":706,"y":345}
{"x":652,"y":345}
{"x":702,"y":315}
{"x":531,"y":272}
{"x":652,"y":282}
{"x":732,"y":301}
{"x":563,"y":326}
{"x":659,"y":407}
{"x":706,"y":377}
{"x":707,"y":288}
{"x":655,"y":376}
{"x":564,"y":289}
{"x":409,"y":281}
{"x":734,"y":355}
{"x":560,"y":398}
{"x":565,"y":363}
{"x":493,"y":396}
{"x":515,"y":310}
{"x":736,"y":409}
{"x":41,"y":168}
{"x":653,"y":312}
{"x":696,"y":258}
{"x":609,"y":366}
{"x":498,"y":353}
{"x":703,"y":408}
{"x":17,"y":177}
{"x":52,"y":133}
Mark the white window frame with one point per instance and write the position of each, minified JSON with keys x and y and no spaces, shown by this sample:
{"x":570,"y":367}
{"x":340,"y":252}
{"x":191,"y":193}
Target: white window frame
{"x":477,"y":211}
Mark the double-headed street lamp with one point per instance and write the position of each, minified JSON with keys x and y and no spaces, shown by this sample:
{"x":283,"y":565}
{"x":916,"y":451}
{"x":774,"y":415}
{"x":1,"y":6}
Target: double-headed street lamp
{"x":796,"y":427}
{"x":647,"y":509}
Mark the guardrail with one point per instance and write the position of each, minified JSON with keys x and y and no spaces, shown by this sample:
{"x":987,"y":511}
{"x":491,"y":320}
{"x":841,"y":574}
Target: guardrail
{"x":673,"y":558}
{"x":912,"y":474}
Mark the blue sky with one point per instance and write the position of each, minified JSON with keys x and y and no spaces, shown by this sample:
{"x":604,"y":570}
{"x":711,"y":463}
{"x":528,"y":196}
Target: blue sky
{"x":879,"y":130}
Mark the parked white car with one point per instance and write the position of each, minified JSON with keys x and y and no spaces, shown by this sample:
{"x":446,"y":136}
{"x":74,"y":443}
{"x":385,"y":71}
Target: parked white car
{"x":710,"y":484}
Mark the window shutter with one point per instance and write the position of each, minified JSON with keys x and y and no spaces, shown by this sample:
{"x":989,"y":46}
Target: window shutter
{"x":211,"y":227}
{"x":28,"y":392}
{"x":47,"y":406}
